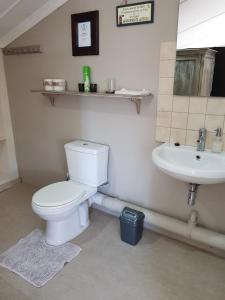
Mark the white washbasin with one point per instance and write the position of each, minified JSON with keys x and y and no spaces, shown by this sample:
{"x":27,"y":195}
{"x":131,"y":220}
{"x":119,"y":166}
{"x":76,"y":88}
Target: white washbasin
{"x":187,"y":164}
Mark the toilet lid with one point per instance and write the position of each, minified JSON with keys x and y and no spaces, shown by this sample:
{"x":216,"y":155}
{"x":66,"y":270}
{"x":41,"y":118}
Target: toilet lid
{"x":58,"y":194}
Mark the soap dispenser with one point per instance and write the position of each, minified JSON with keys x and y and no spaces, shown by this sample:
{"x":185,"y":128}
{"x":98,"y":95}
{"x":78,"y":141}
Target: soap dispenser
{"x":217,"y":143}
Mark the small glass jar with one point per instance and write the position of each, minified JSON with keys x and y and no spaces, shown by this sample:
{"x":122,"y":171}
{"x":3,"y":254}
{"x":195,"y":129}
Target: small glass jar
{"x":111,"y":86}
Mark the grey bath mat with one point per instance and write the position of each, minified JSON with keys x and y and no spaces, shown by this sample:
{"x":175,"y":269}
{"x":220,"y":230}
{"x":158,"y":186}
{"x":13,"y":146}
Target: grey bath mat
{"x":36,"y":261}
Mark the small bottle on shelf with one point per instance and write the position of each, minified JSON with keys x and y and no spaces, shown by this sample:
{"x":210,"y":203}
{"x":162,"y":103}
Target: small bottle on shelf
{"x":86,"y":78}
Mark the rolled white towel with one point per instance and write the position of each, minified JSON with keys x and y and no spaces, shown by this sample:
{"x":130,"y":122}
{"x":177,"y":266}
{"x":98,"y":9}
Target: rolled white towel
{"x":124,"y":91}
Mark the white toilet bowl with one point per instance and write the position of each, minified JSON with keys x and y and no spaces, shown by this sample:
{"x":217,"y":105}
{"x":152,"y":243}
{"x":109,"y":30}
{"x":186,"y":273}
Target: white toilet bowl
{"x":64,"y":205}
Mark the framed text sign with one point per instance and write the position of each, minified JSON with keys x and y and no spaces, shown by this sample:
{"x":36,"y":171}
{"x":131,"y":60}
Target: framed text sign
{"x":85,"y":33}
{"x":135,"y":13}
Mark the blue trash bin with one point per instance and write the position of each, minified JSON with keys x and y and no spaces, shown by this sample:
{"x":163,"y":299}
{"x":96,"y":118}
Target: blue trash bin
{"x":131,"y":225}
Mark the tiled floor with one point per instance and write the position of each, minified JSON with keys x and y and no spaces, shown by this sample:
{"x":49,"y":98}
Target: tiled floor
{"x":108,"y":269}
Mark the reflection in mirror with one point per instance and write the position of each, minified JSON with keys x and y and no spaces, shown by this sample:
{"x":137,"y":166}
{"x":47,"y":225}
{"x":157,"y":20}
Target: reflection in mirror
{"x":200,"y":59}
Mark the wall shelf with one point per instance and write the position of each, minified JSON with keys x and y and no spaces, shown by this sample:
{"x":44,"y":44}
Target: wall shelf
{"x":133,"y":98}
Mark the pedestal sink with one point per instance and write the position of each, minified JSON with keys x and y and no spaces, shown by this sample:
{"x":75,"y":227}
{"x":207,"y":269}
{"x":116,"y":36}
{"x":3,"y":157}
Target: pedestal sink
{"x":186,"y":164}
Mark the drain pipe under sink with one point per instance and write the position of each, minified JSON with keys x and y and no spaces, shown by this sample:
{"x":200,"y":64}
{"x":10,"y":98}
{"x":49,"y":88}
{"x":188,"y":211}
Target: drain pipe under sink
{"x":188,"y":230}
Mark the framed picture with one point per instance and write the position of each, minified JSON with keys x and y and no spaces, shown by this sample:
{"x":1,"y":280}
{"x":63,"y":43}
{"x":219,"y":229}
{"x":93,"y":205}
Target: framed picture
{"x":85,"y":33}
{"x":135,"y":13}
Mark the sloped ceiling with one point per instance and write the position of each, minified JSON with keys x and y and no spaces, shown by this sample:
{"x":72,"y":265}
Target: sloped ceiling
{"x":18,"y":16}
{"x":201,"y":24}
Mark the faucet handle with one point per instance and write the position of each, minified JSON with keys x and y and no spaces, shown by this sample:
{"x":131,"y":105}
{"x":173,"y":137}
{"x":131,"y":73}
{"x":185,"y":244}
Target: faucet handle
{"x":201,"y":139}
{"x":219,"y":132}
{"x":202,"y":131}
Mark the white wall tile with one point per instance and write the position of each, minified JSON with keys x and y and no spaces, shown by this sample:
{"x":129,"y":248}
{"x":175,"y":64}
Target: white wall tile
{"x":165,"y":103}
{"x":198,"y":105}
{"x":212,"y":122}
{"x":209,"y":139}
{"x":164,"y":119}
{"x":177,"y":136}
{"x":163,"y":134}
{"x":167,"y":68}
{"x":196,"y":121}
{"x":179,"y":120}
{"x":166,"y":86}
{"x":180,"y":104}
{"x":216,"y":106}
{"x":191,"y":137}
{"x":168,"y":50}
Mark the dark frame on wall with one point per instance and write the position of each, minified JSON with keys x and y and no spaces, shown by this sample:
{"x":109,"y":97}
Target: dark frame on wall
{"x":85,"y":33}
{"x":135,"y":13}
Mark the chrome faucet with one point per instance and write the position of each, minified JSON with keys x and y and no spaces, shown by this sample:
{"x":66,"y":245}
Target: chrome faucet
{"x":201,"y":139}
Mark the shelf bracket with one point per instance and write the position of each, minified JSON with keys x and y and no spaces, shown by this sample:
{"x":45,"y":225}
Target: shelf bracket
{"x":50,"y":97}
{"x":52,"y":100}
{"x":137,"y":101}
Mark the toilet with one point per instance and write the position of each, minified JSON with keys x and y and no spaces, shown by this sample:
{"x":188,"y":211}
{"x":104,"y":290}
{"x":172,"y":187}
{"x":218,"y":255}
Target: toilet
{"x":64,"y":205}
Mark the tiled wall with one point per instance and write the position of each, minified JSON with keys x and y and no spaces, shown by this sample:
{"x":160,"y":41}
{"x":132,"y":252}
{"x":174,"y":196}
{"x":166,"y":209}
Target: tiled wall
{"x":178,"y":117}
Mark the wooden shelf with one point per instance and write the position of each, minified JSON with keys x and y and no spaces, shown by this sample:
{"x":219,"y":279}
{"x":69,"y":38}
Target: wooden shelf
{"x":133,"y":98}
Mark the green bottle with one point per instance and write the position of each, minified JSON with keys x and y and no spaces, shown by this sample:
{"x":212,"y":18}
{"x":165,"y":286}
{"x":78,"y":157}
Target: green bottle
{"x":86,"y":78}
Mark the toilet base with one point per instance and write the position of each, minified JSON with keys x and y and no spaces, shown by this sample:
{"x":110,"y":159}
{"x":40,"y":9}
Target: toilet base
{"x":62,"y":231}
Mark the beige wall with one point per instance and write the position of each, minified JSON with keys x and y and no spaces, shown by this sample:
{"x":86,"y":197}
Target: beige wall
{"x":131,"y":55}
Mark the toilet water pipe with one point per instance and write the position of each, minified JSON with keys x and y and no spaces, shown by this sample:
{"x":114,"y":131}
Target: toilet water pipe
{"x":188,"y":230}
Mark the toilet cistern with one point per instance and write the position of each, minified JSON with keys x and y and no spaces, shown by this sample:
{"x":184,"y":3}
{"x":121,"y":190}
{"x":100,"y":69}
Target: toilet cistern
{"x":64,"y":205}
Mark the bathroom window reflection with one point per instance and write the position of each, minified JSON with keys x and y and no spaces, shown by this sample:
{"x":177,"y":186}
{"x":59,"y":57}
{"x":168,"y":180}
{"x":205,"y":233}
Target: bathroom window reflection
{"x":200,"y":60}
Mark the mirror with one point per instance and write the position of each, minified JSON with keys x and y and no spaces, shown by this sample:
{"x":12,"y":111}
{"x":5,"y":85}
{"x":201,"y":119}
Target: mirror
{"x":200,"y":59}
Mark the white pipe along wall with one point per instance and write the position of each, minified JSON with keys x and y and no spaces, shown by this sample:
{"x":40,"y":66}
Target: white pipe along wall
{"x":188,"y":230}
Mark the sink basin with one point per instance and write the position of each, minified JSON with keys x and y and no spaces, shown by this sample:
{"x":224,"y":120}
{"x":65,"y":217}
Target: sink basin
{"x":186,"y":164}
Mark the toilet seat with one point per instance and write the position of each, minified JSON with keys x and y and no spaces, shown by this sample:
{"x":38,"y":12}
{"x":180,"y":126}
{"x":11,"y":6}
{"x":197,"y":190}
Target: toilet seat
{"x":59,"y":194}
